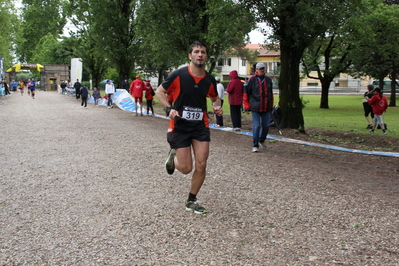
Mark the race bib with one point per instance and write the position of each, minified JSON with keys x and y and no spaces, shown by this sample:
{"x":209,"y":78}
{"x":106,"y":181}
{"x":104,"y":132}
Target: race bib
{"x":191,"y":113}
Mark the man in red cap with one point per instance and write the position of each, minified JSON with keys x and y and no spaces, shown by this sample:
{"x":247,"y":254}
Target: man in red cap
{"x":136,"y":90}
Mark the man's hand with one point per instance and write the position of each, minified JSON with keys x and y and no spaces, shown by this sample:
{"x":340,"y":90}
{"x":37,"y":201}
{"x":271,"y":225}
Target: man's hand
{"x":218,"y":110}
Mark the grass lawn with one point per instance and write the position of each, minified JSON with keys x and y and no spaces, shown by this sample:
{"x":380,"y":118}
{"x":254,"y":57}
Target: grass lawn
{"x":345,"y":114}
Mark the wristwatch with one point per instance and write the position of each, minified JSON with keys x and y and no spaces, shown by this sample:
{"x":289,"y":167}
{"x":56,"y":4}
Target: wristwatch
{"x":167,"y":110}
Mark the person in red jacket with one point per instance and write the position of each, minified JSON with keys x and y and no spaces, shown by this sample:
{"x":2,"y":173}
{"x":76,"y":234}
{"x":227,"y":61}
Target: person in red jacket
{"x":149,"y":96}
{"x":235,"y":89}
{"x":136,"y":90}
{"x":379,"y":103}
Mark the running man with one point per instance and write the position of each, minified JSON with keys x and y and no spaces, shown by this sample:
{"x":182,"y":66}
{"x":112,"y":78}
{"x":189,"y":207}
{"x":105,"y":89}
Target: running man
{"x":189,"y":125}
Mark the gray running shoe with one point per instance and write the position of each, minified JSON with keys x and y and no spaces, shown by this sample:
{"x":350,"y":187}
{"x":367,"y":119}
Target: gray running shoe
{"x":262,"y":144}
{"x":195,"y":207}
{"x":254,"y":149}
{"x":170,"y":162}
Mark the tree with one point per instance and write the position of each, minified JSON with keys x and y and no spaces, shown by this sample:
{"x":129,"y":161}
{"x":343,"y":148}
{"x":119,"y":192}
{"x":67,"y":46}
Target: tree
{"x":220,"y":24}
{"x":375,"y":36}
{"x":295,"y":25}
{"x":8,"y":28}
{"x":329,"y":57}
{"x":39,"y":18}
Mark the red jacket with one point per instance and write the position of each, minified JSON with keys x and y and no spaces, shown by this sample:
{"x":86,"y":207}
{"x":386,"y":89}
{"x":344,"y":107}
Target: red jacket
{"x":136,"y":88}
{"x":379,"y":103}
{"x":235,"y":89}
{"x":148,"y":92}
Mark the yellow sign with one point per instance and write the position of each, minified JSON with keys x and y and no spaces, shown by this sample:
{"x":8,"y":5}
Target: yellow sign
{"x":18,"y":67}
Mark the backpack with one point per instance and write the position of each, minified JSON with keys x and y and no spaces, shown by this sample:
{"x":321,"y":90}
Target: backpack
{"x":152,"y":92}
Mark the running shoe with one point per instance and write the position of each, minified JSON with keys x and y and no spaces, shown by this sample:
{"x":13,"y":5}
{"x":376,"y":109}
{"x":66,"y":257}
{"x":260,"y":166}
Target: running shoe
{"x":384,"y":132}
{"x":170,"y":162}
{"x":254,"y":149}
{"x":195,"y":207}
{"x":371,"y":130}
{"x":262,"y":144}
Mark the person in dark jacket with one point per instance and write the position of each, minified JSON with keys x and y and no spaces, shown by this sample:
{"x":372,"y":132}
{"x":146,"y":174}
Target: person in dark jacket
{"x":235,"y":89}
{"x":258,"y":98}
{"x":77,"y":87}
{"x":84,"y":92}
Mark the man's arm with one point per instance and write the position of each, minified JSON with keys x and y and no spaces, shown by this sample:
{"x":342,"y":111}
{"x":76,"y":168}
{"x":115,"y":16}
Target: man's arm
{"x":163,"y":100}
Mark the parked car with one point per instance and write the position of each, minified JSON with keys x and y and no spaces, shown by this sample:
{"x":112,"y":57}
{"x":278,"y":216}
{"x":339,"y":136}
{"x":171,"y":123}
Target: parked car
{"x":387,"y":85}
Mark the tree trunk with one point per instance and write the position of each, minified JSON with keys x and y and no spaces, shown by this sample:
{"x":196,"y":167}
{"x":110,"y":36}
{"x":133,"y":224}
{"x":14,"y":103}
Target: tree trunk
{"x":325,"y":88}
{"x":290,"y":102}
{"x":392,"y":99}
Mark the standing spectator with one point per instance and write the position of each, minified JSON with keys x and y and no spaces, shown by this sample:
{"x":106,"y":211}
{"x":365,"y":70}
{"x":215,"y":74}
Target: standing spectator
{"x":258,"y":98}
{"x":32,"y":88}
{"x":220,"y":89}
{"x":21,"y":87}
{"x":149,"y":96}
{"x":125,"y":85}
{"x":5,"y":86}
{"x":235,"y":89}
{"x":63,"y":87}
{"x":379,"y":103}
{"x":84,"y":92}
{"x":368,"y":110}
{"x":77,"y":87}
{"x":136,"y":89}
{"x":189,"y":126}
{"x":109,"y":90}
{"x":96,"y":96}
{"x":14,"y":85}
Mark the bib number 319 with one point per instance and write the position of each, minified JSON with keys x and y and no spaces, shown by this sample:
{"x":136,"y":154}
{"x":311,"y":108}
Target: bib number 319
{"x":191,"y":113}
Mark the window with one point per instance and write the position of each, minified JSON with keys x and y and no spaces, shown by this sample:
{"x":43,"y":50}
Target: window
{"x":243,"y":62}
{"x":220,"y":62}
{"x":229,"y":61}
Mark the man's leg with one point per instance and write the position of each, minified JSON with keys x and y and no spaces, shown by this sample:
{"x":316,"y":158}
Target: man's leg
{"x":201,"y":153}
{"x":265,"y":117}
{"x":255,"y":129}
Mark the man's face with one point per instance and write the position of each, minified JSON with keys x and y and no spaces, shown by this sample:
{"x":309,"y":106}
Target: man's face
{"x":261,"y":71}
{"x":198,"y":56}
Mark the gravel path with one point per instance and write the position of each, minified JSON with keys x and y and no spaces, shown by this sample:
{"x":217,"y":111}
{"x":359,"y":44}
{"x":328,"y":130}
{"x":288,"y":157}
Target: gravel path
{"x":88,"y":187}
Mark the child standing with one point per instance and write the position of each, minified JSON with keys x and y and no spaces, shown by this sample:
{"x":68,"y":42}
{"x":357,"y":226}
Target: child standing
{"x":379,"y":103}
{"x":96,"y":96}
{"x":149,"y":96}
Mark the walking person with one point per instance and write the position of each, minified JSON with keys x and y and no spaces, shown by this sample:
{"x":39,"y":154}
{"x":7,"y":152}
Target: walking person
{"x":235,"y":89}
{"x":109,"y":90}
{"x":63,"y":88}
{"x":77,"y":87}
{"x":96,"y":96}
{"x":136,"y":90}
{"x":149,"y":96}
{"x":220,"y":89}
{"x":84,"y":93}
{"x":189,"y":125}
{"x":379,"y":103}
{"x":258,"y":98}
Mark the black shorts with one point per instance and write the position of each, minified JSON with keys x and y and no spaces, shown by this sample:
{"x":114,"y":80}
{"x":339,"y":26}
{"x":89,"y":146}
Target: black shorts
{"x":182,"y":137}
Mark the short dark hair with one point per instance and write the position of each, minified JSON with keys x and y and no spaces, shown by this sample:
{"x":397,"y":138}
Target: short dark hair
{"x":195,"y":44}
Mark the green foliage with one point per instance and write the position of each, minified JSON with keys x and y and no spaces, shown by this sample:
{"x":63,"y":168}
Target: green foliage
{"x":220,"y":24}
{"x":39,"y":18}
{"x":8,"y":29}
{"x":375,"y":36}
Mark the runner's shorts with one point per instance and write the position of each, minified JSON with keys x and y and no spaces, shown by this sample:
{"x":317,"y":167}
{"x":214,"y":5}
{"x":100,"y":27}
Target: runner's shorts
{"x":182,"y":136}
